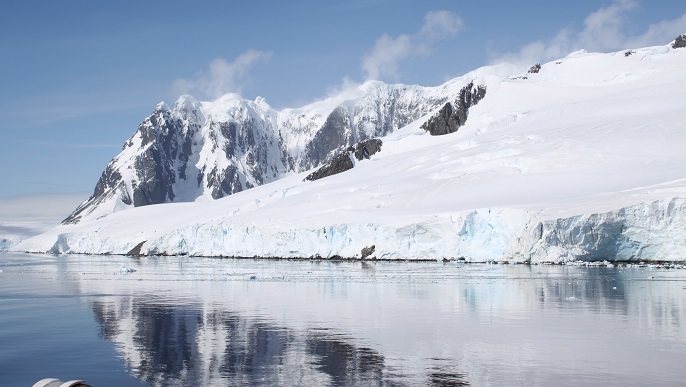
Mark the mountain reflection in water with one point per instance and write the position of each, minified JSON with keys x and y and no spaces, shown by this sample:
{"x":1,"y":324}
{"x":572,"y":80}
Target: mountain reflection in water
{"x":184,"y":346}
{"x":197,"y":321}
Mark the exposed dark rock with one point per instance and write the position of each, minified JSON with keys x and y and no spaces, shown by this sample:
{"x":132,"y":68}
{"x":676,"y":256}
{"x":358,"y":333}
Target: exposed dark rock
{"x":365,"y":149}
{"x":224,"y":182}
{"x":162,"y":158}
{"x":446,"y":121}
{"x":338,"y":164}
{"x":344,"y":161}
{"x":535,"y":68}
{"x":136,"y":251}
{"x":332,"y":137}
{"x":156,"y":178}
{"x":367,"y":251}
{"x":109,"y":184}
{"x":679,"y":42}
{"x":628,"y":53}
{"x":453,"y":115}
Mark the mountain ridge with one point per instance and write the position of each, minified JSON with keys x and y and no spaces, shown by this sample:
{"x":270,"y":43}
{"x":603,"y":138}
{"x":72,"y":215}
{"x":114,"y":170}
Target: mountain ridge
{"x":214,"y":149}
{"x":582,"y":160}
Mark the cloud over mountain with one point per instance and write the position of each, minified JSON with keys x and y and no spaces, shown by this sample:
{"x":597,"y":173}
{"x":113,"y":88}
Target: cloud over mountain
{"x":603,"y":30}
{"x":384,"y":60}
{"x":221,"y":76}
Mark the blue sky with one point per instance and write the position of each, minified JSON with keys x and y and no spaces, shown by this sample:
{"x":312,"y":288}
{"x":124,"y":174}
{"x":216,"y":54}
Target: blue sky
{"x":79,"y":76}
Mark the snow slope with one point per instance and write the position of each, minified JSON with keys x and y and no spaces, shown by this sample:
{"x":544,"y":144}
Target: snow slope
{"x":584,"y":160}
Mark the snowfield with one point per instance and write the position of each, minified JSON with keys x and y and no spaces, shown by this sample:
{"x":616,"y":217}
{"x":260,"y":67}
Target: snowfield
{"x":585,"y":160}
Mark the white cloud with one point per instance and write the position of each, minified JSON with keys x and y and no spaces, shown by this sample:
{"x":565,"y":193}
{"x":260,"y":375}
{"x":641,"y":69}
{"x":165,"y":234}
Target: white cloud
{"x":346,"y":87}
{"x":221,"y":77}
{"x":604,"y":30}
{"x":383,"y":61}
{"x":660,"y":33}
{"x":440,"y":25}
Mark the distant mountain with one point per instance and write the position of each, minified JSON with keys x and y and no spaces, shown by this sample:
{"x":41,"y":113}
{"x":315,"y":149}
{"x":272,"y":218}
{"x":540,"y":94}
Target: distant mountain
{"x":581,"y":158}
{"x":214,"y":149}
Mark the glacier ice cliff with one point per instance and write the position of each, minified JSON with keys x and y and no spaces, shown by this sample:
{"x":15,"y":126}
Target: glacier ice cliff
{"x":654,"y":231}
{"x":648,"y":231}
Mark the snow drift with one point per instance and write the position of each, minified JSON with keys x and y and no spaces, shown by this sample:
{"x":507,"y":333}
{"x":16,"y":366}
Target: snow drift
{"x":583,"y":160}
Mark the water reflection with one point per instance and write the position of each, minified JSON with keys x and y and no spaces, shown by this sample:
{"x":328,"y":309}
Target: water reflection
{"x":193,"y":321}
{"x":181,"y":346}
{"x":440,"y":378}
{"x":343,"y":362}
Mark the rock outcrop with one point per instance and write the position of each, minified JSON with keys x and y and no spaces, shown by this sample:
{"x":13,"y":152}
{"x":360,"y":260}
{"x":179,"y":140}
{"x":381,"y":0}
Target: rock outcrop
{"x":368,"y":251}
{"x":679,"y":42}
{"x":346,"y":160}
{"x":454,"y":114}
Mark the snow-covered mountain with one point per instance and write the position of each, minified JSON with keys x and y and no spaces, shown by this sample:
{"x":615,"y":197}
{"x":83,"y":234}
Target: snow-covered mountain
{"x":214,"y":149}
{"x":583,"y":158}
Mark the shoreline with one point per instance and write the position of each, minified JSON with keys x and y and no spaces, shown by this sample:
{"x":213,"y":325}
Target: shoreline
{"x":681,"y":264}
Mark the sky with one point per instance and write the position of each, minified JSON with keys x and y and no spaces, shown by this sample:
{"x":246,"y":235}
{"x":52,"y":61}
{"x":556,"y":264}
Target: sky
{"x":77,"y":77}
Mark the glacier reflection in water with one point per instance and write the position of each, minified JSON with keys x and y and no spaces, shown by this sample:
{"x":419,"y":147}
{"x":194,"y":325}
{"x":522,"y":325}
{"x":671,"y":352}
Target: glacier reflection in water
{"x":185,"y":320}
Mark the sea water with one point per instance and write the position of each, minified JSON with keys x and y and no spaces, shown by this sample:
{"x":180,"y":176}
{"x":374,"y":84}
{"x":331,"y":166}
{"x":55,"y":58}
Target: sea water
{"x":112,"y":320}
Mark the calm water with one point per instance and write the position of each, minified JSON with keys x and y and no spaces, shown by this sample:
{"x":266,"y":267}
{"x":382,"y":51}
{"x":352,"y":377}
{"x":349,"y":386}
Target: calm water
{"x":196,"y":321}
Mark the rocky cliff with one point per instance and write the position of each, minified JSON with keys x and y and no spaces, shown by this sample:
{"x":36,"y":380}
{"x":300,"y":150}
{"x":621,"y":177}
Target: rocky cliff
{"x":213,"y":149}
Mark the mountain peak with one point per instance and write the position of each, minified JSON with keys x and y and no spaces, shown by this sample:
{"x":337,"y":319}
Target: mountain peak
{"x":161,"y":106}
{"x":187,"y":103}
{"x":218,"y":148}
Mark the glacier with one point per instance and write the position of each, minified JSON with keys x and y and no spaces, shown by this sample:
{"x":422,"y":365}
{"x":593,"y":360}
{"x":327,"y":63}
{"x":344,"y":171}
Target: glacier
{"x":581,"y":161}
{"x":643,"y":232}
